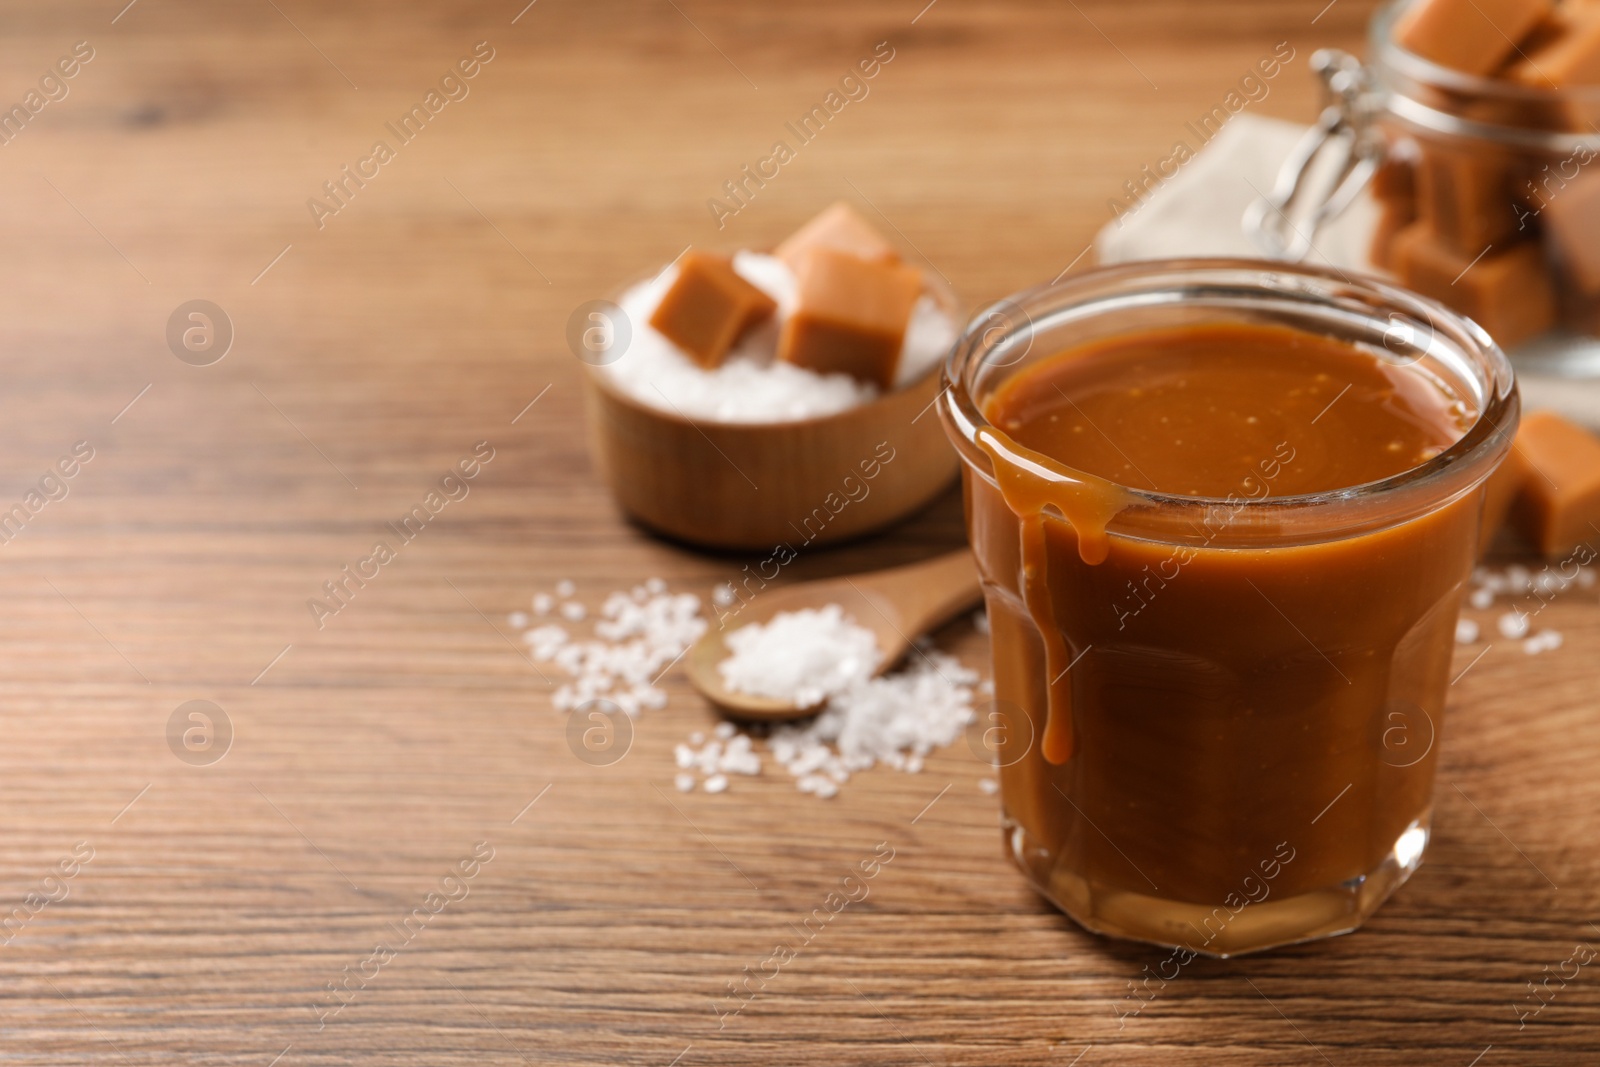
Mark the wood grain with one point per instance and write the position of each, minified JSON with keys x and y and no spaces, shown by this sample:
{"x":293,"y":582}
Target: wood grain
{"x":371,"y":754}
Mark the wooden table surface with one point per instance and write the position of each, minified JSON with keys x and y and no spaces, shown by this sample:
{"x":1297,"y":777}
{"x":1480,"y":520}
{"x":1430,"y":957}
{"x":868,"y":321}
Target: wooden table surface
{"x":211,"y":906}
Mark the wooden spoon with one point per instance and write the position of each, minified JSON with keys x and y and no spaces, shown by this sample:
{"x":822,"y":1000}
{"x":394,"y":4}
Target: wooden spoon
{"x":897,"y":605}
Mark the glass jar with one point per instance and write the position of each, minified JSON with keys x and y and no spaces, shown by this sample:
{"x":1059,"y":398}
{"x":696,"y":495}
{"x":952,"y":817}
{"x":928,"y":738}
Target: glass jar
{"x":1488,"y":194}
{"x":1253,"y":756}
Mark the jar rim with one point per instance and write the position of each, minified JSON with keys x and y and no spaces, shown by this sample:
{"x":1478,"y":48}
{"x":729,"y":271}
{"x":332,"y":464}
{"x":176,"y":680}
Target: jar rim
{"x":1467,"y":461}
{"x":1412,"y":65}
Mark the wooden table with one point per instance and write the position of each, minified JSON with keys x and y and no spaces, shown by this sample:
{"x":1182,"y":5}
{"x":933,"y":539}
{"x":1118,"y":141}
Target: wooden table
{"x":370,"y":755}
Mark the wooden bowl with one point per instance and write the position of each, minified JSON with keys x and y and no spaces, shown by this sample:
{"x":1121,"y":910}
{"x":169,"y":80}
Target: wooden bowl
{"x":759,"y":485}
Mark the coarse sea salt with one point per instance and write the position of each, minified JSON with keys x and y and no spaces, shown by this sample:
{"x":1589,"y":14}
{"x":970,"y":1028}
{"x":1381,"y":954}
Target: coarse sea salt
{"x":1513,"y":625}
{"x":751,"y":385}
{"x":636,"y":638}
{"x":895,"y":720}
{"x":1543,"y":641}
{"x":802,"y":657}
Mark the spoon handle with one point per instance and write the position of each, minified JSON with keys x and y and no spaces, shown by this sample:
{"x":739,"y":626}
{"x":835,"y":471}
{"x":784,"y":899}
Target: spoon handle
{"x":932,"y":592}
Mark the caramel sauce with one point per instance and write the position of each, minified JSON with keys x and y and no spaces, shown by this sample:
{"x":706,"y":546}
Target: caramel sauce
{"x":1231,"y":412}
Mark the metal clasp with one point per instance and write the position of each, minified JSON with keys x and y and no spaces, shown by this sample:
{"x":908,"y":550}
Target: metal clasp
{"x":1332,"y":163}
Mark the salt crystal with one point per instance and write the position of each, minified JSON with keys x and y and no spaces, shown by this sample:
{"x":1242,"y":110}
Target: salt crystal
{"x":716,"y":783}
{"x":1481,"y":598}
{"x":1544,"y":641}
{"x":879,"y":720}
{"x":895,"y":720}
{"x":633,"y":645}
{"x":1513,"y":625}
{"x":1586,"y":578}
{"x":723,"y":595}
{"x":546,"y":641}
{"x":989,"y":785}
{"x":801,"y":657}
{"x":518,"y":620}
{"x":543,"y":603}
{"x":655,"y":586}
{"x":684,"y":782}
{"x":1466,"y":631}
{"x":565,"y":589}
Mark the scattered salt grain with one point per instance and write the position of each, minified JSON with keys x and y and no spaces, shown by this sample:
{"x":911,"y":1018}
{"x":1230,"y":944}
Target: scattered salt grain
{"x":1513,"y":625}
{"x":565,"y":589}
{"x":1586,"y":578}
{"x":988,"y":785}
{"x":895,"y":720}
{"x":820,"y":785}
{"x":518,"y":620}
{"x":544,"y":641}
{"x":655,"y":586}
{"x":803,"y":657}
{"x":543,"y":603}
{"x":724,"y":730}
{"x":980,"y":621}
{"x":1481,"y":598}
{"x":633,"y":644}
{"x":684,"y":782}
{"x":1543,"y":641}
{"x":721,"y":756}
{"x":1466,"y":631}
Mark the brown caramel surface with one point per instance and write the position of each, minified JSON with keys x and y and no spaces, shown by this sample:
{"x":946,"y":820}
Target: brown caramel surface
{"x":1202,"y":704}
{"x":1197,"y":411}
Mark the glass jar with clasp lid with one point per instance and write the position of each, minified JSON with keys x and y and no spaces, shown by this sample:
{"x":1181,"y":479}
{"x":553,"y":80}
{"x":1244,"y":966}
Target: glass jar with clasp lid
{"x":1487,"y":192}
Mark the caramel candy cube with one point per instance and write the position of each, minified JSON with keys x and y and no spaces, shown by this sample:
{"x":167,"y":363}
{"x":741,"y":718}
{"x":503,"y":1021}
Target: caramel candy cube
{"x":1508,"y":291}
{"x":1394,"y":188}
{"x":1570,"y":211}
{"x":840,"y":228}
{"x":1472,"y":36}
{"x":709,"y":307}
{"x":851,"y":316}
{"x":1563,"y":51}
{"x":1393,"y":216}
{"x":1467,"y":197}
{"x":1559,"y":506}
{"x":1500,"y":492}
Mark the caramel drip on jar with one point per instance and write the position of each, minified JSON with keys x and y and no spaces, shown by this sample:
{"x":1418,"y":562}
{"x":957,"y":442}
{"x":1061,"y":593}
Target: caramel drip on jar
{"x":1033,"y":487}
